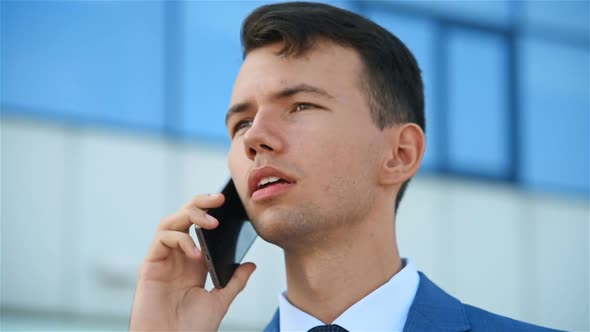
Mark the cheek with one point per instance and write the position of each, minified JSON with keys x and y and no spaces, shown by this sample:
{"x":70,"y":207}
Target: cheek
{"x":334,"y":166}
{"x":343,"y":153}
{"x":232,"y":161}
{"x":238,"y":165}
{"x":349,"y":161}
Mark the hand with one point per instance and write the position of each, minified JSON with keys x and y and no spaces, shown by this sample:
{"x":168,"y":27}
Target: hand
{"x":170,"y":293}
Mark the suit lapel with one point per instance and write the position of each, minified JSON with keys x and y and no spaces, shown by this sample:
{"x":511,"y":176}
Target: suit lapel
{"x":435,"y":310}
{"x":274,"y":325}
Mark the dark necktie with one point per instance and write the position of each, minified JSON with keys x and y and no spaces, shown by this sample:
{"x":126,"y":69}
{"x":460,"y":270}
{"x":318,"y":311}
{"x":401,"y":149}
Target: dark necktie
{"x":328,"y":328}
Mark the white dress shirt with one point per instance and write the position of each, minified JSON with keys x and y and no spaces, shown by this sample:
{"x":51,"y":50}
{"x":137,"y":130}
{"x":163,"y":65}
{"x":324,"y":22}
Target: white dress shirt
{"x":384,"y":309}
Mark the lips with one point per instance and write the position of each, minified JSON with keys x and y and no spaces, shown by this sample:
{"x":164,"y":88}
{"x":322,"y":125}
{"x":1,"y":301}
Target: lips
{"x":258,"y":174}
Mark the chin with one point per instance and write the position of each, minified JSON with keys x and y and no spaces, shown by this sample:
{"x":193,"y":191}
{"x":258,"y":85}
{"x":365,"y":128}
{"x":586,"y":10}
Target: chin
{"x":282,"y":227}
{"x":293,"y":227}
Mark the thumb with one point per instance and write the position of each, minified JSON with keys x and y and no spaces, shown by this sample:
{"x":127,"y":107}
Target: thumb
{"x":237,"y":282}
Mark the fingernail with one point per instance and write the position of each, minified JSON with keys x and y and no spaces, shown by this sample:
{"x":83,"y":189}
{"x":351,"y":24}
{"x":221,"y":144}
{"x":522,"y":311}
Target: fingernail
{"x":210,"y":218}
{"x":197,"y":251}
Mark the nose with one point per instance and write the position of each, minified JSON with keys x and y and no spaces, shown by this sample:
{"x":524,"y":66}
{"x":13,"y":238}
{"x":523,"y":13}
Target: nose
{"x":262,"y":136}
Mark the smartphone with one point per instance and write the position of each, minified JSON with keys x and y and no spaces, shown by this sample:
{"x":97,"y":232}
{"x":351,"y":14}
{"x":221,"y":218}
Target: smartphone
{"x":225,"y":246}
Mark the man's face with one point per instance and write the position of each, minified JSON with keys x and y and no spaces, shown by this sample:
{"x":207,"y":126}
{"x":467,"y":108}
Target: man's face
{"x":309,"y":121}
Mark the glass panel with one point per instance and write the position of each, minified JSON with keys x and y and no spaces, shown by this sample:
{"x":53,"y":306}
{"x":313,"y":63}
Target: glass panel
{"x":496,"y":12}
{"x":555,"y":122}
{"x":574,"y":15}
{"x":91,"y":60}
{"x":478,"y":103}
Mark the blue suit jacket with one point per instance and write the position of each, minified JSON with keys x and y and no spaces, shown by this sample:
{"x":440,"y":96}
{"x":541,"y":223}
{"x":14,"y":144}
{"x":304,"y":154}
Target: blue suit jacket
{"x":435,"y":310}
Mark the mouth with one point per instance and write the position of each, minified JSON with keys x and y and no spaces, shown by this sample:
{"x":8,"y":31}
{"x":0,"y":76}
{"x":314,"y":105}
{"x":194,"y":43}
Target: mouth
{"x":270,"y":181}
{"x":267,"y":182}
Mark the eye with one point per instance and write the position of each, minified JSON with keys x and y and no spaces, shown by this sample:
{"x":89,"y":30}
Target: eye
{"x":242,"y":125}
{"x":303,"y":106}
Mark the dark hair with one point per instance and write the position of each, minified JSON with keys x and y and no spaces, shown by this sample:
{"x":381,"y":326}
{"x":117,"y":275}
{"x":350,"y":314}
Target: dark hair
{"x":392,"y":80}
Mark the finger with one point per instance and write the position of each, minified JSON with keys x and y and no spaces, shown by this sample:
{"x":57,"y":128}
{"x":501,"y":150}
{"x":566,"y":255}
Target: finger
{"x":236,"y":283}
{"x":205,"y":201}
{"x":191,"y":214}
{"x":168,"y":241}
{"x":201,"y":218}
{"x":202,"y":270}
{"x":184,"y":218}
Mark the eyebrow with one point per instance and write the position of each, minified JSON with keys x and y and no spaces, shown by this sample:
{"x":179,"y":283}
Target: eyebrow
{"x":281,"y":94}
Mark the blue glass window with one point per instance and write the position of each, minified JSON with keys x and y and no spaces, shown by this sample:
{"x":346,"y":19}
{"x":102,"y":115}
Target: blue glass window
{"x":569,"y":15}
{"x":477,"y":103}
{"x":495,"y":12}
{"x":87,"y":61}
{"x":555,"y":101}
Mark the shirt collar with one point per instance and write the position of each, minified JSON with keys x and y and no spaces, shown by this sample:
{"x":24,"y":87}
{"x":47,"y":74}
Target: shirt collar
{"x":384,"y":309}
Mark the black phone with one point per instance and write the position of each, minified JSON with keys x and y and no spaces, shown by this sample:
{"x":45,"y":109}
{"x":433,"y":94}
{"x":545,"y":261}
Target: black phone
{"x":225,"y":246}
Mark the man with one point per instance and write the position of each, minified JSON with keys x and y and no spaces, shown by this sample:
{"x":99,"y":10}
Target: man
{"x":329,"y":106}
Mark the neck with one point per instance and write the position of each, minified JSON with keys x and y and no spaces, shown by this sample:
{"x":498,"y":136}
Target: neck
{"x":348,"y":265}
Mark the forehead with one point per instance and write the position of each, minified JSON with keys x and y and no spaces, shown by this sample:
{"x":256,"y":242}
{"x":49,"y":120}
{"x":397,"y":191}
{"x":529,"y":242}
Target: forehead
{"x":333,"y":68}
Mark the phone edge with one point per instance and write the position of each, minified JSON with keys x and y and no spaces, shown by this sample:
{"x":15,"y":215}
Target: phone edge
{"x":206,"y":253}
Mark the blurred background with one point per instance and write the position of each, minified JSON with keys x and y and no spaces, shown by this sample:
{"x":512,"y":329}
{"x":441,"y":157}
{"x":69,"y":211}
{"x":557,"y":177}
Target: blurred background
{"x":112,"y":117}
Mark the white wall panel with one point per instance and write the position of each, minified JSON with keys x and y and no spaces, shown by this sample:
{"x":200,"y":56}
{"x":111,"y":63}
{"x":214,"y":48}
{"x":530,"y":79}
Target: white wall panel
{"x":488,"y":243}
{"x":123,"y":190}
{"x":562,"y":259}
{"x":32,"y":212}
{"x":203,"y":170}
{"x":418,"y":224}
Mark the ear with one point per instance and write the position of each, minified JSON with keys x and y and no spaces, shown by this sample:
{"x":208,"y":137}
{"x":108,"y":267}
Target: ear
{"x":405,"y":144}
